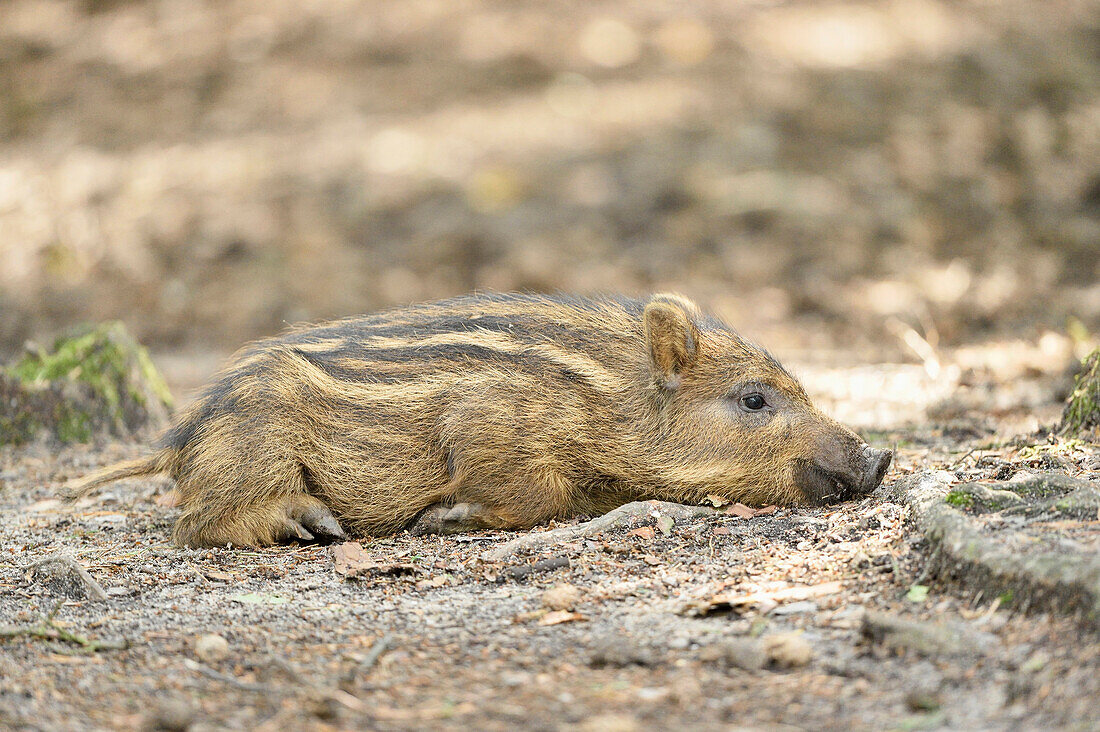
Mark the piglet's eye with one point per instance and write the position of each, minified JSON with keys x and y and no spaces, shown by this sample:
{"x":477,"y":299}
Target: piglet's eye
{"x":753,"y":402}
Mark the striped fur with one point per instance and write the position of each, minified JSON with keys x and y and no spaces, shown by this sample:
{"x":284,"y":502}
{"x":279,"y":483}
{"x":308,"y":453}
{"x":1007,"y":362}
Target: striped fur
{"x":532,"y":407}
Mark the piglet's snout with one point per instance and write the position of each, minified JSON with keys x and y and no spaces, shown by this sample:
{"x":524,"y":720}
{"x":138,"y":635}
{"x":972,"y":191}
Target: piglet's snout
{"x":878,"y":462}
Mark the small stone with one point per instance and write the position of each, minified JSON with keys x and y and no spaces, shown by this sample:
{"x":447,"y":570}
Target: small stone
{"x":618,"y":650}
{"x":562,"y":596}
{"x":787,"y":650}
{"x":172,"y":715}
{"x":609,"y":723}
{"x":923,"y":700}
{"x":63,"y":575}
{"x":679,"y":642}
{"x":211,"y":648}
{"x":513,"y":679}
{"x":743,"y":653}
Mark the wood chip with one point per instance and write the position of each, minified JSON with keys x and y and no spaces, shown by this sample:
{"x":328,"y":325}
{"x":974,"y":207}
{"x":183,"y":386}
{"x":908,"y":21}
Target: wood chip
{"x":556,"y":617}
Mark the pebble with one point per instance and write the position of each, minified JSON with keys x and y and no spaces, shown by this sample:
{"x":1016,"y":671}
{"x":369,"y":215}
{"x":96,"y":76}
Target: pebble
{"x":679,"y":642}
{"x":743,"y":653}
{"x":619,"y":650}
{"x":787,"y":650}
{"x":175,"y":715}
{"x":923,"y":700}
{"x":211,"y":648}
{"x":562,"y":596}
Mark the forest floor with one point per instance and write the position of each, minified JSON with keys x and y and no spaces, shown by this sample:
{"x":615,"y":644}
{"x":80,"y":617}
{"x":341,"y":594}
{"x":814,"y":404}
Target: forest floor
{"x":717,"y":621}
{"x":909,"y":221}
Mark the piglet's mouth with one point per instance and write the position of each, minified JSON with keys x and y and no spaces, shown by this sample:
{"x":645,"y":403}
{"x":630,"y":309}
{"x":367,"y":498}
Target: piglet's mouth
{"x":822,"y":486}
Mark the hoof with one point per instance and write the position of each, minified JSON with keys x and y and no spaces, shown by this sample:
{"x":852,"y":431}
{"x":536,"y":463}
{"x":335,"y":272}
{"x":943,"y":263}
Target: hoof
{"x":307,"y":519}
{"x":456,"y":519}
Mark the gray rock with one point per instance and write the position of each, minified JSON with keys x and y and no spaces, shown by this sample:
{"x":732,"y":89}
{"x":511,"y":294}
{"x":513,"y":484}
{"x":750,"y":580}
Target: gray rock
{"x":171,"y":715}
{"x":617,"y":650}
{"x":62,"y":575}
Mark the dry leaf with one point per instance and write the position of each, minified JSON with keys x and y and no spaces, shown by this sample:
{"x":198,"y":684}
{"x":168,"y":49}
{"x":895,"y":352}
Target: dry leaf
{"x":556,"y":617}
{"x":740,"y":509}
{"x":665,"y":524}
{"x":651,"y":560}
{"x":351,"y":561}
{"x":440,"y":580}
{"x":643,"y":532}
{"x":763,"y":602}
{"x":717,"y":501}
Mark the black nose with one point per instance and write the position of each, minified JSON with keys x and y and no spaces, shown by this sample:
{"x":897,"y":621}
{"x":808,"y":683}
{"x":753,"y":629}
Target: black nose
{"x":878,"y":461}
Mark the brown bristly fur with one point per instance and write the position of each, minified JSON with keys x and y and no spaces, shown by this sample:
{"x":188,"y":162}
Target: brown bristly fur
{"x":529,"y":407}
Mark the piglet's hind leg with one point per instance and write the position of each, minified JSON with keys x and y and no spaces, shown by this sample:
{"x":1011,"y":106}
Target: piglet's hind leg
{"x":459,"y":518}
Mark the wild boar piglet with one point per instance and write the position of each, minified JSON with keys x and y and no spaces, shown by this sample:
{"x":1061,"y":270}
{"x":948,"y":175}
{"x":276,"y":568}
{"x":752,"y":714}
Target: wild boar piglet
{"x":493,"y":411}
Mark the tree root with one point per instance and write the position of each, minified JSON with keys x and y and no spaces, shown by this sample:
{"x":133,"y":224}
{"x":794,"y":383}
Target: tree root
{"x":1067,"y":581}
{"x":621,"y":516}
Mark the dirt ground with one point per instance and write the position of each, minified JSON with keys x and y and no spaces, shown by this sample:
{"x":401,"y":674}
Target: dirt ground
{"x":436,"y":635}
{"x":908,"y":217}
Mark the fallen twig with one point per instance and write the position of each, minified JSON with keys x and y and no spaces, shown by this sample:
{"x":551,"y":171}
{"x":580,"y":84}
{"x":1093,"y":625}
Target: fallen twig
{"x":959,"y":462}
{"x":380,"y":646}
{"x":226,"y":678}
{"x":48,"y":629}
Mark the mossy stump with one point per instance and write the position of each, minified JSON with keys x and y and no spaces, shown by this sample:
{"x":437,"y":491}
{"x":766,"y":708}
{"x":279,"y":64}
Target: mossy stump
{"x":1081,"y":416}
{"x":96,"y":381}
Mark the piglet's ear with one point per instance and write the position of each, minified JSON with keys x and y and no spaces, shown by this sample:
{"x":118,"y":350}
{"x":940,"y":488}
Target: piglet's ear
{"x":671,"y":336}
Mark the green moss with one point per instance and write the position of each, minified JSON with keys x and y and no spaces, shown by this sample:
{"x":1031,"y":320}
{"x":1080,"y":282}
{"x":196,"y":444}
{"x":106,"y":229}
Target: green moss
{"x":103,"y":359}
{"x":96,"y":379}
{"x":1082,"y":411}
{"x":73,"y":426}
{"x":959,"y":499}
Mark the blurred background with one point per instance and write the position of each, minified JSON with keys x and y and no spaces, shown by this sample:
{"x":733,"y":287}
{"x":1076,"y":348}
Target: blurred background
{"x":907,"y":187}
